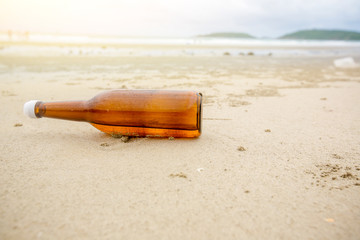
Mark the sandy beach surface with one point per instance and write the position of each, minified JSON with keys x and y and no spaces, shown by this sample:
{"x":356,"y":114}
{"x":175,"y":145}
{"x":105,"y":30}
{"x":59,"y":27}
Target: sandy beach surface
{"x":279,"y":156}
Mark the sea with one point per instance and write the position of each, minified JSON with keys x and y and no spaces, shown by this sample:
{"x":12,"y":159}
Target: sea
{"x":25,"y":44}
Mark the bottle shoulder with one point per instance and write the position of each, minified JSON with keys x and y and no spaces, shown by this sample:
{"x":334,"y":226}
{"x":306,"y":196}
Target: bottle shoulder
{"x":140,"y":100}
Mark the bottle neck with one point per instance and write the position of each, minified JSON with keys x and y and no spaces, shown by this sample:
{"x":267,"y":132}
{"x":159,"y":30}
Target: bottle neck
{"x":70,"y":110}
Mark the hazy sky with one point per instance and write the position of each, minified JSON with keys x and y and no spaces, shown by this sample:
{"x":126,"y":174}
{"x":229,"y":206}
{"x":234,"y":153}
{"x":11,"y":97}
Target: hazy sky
{"x":177,"y":17}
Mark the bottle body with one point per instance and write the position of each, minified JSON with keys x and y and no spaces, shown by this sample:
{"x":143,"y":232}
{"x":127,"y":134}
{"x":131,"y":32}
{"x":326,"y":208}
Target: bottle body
{"x":156,"y":113}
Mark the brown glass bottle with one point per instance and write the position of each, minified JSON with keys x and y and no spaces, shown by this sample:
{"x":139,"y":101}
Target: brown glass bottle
{"x":154,"y":113}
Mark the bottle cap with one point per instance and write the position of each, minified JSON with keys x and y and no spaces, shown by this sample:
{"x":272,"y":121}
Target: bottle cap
{"x":29,"y":108}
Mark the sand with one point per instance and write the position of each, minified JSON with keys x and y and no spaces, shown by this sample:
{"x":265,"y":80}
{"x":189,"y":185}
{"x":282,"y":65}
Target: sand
{"x":279,"y":156}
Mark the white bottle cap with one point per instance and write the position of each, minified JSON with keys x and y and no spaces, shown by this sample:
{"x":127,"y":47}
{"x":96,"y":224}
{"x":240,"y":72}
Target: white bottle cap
{"x":29,"y":108}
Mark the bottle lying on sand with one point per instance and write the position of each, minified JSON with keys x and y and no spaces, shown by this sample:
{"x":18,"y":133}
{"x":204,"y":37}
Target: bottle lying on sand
{"x":143,"y":113}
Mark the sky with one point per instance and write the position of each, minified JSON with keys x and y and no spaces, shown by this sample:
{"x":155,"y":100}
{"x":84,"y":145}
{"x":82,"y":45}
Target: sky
{"x":177,"y":18}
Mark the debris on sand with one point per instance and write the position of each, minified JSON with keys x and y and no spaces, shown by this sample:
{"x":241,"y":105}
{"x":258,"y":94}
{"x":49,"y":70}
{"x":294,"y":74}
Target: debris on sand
{"x":115,"y":135}
{"x":347,"y":175}
{"x":180,"y":175}
{"x":336,"y":156}
{"x":241,"y":149}
{"x":330,"y":220}
{"x":125,"y":139}
{"x":347,"y":62}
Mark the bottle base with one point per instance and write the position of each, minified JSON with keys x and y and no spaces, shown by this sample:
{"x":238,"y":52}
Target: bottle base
{"x":146,"y":132}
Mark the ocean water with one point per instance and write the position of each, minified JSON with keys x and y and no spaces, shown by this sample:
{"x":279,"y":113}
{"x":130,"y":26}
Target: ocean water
{"x":62,"y":45}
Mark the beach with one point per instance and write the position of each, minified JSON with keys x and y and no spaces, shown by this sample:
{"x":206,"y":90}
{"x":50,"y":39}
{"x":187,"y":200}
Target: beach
{"x":278,"y":157}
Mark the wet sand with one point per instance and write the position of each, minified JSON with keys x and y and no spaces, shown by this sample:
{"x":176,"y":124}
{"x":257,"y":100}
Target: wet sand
{"x":279,"y":156}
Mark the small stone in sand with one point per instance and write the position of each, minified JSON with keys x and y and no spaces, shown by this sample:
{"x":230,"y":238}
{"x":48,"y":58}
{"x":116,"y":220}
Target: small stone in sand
{"x":18,"y":125}
{"x":247,"y":191}
{"x":323,"y":99}
{"x":241,"y":148}
{"x":250,"y":54}
{"x":104,"y":145}
{"x":226,"y":54}
{"x":267,"y":130}
{"x":180,"y":175}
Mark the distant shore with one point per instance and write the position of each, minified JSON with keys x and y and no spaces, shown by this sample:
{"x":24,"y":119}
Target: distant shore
{"x":312,"y":34}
